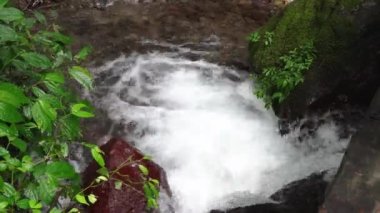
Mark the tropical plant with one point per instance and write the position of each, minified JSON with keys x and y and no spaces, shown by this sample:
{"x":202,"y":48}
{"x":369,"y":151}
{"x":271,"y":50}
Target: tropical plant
{"x":274,"y":84}
{"x":39,"y":115}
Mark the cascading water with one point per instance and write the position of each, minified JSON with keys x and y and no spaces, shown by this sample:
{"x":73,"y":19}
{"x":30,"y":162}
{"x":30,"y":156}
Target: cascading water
{"x":203,"y":125}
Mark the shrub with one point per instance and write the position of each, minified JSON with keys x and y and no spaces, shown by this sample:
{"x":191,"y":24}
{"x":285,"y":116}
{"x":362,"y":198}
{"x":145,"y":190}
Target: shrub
{"x":275,"y":83}
{"x":40,"y":116}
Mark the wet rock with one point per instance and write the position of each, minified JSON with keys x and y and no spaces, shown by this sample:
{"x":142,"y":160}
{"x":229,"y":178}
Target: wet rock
{"x":357,"y":184}
{"x":297,"y":197}
{"x":130,"y":198}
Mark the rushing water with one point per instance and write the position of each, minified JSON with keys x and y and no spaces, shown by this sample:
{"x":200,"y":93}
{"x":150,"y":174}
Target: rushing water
{"x":203,"y":125}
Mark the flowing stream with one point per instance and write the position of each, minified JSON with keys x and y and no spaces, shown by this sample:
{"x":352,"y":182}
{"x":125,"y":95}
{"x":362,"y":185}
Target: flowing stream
{"x":201,"y":122}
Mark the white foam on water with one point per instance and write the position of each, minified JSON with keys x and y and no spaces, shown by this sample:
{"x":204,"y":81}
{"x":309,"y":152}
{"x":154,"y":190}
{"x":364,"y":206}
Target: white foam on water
{"x":214,"y":139}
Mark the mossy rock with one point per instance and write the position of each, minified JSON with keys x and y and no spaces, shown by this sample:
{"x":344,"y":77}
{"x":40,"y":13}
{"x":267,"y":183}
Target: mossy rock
{"x":337,"y":28}
{"x":327,"y":23}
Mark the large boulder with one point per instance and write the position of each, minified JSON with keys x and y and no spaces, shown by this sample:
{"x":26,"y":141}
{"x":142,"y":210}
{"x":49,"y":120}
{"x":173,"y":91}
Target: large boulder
{"x":345,"y":35}
{"x":130,"y":198}
{"x":300,"y":196}
{"x":357,"y":185}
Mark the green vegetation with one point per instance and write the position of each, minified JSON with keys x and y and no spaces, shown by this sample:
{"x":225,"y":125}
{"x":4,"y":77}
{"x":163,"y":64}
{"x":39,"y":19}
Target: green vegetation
{"x":40,"y":117}
{"x":276,"y":83}
{"x":327,"y":24}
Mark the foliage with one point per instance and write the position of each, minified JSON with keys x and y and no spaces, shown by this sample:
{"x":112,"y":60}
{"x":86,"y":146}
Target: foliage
{"x":276,"y":82}
{"x":39,"y":115}
{"x":329,"y":24}
{"x":254,"y":37}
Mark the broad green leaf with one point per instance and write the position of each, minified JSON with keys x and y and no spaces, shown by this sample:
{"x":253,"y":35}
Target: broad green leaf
{"x":55,"y":210}
{"x":79,"y":110}
{"x":40,"y":17}
{"x":38,"y":92}
{"x":3,"y":167}
{"x":4,"y":130}
{"x":152,"y":203}
{"x":61,"y":170}
{"x":7,"y":34}
{"x":155,"y":181}
{"x":103,"y":171}
{"x":9,"y":113}
{"x":43,"y":114}
{"x":83,"y":53}
{"x":23,"y":204}
{"x":96,"y":154}
{"x":81,"y":199}
{"x":92,"y":198}
{"x":118,"y":184}
{"x":11,"y":14}
{"x":3,"y":3}
{"x":58,"y":37}
{"x":26,"y":164}
{"x":47,"y":188}
{"x":82,"y":76}
{"x":35,"y":204}
{"x":70,"y":127}
{"x":56,"y":88}
{"x":55,"y":77}
{"x":12,"y":94}
{"x":143,"y":170}
{"x":19,"y":144}
{"x":37,"y":60}
{"x":3,"y":205}
{"x":8,"y":190}
{"x":74,"y":210}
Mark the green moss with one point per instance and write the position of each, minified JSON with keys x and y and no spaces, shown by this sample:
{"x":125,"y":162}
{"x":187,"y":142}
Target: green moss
{"x":326,"y":23}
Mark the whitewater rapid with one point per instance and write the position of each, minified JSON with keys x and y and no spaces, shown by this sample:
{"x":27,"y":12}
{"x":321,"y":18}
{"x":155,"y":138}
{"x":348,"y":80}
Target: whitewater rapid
{"x":201,"y":122}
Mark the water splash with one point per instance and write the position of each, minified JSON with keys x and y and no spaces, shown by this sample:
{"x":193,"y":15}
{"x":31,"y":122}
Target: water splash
{"x":203,"y":125}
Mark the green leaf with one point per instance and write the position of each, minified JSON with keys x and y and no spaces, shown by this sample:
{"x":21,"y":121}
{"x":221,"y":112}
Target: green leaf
{"x":40,"y":17}
{"x":103,"y":171}
{"x":23,"y":204}
{"x":82,"y":76}
{"x":83,"y":53}
{"x":7,"y":34}
{"x":56,"y":88}
{"x":11,"y":14}
{"x":12,"y":94}
{"x":118,"y":184}
{"x":81,"y":199}
{"x":8,"y":190}
{"x":38,"y":92}
{"x":3,"y":205}
{"x":155,"y":181}
{"x":5,"y":130}
{"x":55,"y":210}
{"x":37,"y":60}
{"x":74,"y":210}
{"x":70,"y":127}
{"x":61,"y":170}
{"x":19,"y":144}
{"x":92,"y":198}
{"x":79,"y":110}
{"x":35,"y":204}
{"x":143,"y":170}
{"x":43,"y":114}
{"x":3,"y":3}
{"x":58,"y":37}
{"x":96,"y":154}
{"x":9,"y":113}
{"x":55,"y":77}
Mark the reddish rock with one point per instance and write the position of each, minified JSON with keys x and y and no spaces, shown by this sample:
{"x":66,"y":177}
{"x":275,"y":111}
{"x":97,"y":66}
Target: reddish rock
{"x":129,"y":198}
